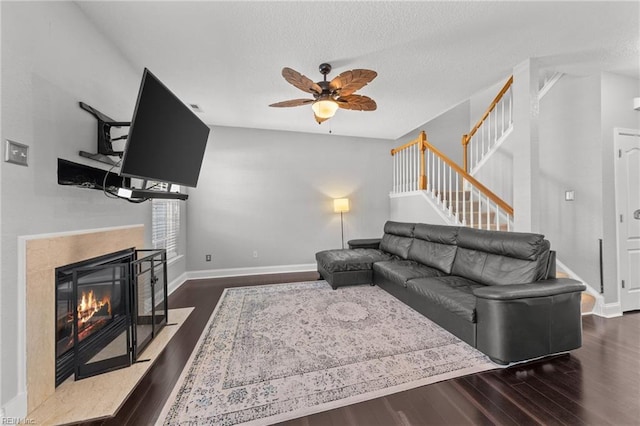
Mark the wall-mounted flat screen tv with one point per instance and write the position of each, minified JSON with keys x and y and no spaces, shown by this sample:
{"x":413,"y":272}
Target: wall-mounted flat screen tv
{"x":166,"y":140}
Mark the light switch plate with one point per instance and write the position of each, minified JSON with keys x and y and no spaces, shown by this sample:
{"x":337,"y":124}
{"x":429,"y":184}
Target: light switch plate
{"x":569,"y":195}
{"x":16,"y":153}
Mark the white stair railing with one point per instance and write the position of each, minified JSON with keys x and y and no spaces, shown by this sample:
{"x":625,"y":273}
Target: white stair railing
{"x":408,"y":167}
{"x":494,"y":125}
{"x":463,"y":199}
{"x":547,"y":80}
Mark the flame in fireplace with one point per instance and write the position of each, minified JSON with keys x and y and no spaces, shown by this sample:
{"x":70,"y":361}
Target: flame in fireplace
{"x":90,"y":305}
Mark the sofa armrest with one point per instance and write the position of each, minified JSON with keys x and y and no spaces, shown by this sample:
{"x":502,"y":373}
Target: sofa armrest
{"x":542,"y":288}
{"x":373,"y":243}
{"x":523,"y":321}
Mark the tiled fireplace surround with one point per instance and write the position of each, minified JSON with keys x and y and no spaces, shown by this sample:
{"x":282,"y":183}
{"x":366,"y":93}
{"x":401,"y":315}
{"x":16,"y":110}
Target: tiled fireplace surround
{"x":42,"y":254}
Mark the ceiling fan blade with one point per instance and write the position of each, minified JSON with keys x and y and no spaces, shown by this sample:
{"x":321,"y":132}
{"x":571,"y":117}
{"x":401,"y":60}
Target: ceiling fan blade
{"x":292,"y":103}
{"x":357,"y":102}
{"x":350,"y":81}
{"x":300,"y":81}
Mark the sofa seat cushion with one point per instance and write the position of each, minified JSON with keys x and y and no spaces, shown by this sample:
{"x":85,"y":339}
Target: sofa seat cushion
{"x":400,"y":271}
{"x":452,"y":293}
{"x":341,"y":260}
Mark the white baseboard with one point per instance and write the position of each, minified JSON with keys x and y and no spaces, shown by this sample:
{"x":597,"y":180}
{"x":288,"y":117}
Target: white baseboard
{"x":258,"y":270}
{"x":16,"y":408}
{"x":610,"y":310}
{"x":176,"y":283}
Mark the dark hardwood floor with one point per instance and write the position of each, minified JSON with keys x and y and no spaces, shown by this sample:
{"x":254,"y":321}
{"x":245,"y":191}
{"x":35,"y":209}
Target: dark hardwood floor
{"x":598,"y":384}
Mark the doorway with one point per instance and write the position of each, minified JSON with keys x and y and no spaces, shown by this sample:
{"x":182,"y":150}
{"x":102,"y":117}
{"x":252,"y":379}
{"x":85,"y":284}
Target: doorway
{"x":627,"y":183}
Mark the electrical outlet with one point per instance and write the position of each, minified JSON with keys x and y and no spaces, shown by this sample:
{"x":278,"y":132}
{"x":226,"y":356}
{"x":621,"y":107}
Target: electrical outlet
{"x":255,"y":254}
{"x":207,"y":258}
{"x":569,"y":195}
{"x":16,"y":153}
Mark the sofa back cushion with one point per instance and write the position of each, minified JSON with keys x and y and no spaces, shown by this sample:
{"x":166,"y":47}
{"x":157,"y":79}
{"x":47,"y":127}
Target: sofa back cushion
{"x":434,"y":246}
{"x":491,"y":257}
{"x":397,"y":238}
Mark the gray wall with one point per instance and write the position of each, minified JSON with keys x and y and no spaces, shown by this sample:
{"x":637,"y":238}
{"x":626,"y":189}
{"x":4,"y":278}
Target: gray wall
{"x":445,"y":131}
{"x":272,"y":192}
{"x":52,"y":57}
{"x":570,"y":149}
{"x":414,"y":208}
{"x":577,"y":119}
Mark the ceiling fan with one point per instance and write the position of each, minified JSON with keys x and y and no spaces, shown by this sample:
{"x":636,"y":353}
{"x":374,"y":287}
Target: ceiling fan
{"x":328,"y":96}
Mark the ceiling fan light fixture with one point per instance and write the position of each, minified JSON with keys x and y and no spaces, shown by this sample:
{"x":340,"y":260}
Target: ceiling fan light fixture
{"x":324,"y":108}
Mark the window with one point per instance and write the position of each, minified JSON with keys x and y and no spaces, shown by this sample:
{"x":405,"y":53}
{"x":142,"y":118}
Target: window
{"x":165,"y":223}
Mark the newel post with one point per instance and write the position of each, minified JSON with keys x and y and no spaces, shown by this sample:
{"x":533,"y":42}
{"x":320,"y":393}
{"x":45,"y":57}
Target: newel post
{"x":423,"y":148}
{"x":465,"y":152}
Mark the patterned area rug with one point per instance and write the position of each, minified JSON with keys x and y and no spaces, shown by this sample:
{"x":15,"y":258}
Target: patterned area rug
{"x":277,"y":352}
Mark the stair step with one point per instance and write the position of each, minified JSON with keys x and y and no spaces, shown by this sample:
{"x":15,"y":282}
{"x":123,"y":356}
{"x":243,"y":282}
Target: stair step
{"x":475,"y":220}
{"x":587,"y":303}
{"x":453,"y":195}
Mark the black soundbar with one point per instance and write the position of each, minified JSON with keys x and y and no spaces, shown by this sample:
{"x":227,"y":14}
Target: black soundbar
{"x":144,"y":194}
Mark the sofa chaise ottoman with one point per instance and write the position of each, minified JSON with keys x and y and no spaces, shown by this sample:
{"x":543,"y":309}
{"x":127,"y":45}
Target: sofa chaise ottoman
{"x":495,"y":290}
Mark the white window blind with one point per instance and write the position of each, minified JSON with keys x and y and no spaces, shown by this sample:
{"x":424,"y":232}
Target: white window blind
{"x":165,"y":223}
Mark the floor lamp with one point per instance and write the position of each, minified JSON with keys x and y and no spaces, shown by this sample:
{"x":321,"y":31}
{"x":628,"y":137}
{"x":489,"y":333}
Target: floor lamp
{"x":341,"y":205}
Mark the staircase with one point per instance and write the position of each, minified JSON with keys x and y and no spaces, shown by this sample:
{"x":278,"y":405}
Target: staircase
{"x":460,"y":199}
{"x":471,"y":212}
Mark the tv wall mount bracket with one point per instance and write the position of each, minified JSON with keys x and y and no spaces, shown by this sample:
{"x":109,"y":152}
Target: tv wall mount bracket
{"x":105,"y":146}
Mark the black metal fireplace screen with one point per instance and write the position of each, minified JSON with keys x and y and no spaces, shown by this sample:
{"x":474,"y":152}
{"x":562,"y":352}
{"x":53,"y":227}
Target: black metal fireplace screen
{"x":98,"y":315}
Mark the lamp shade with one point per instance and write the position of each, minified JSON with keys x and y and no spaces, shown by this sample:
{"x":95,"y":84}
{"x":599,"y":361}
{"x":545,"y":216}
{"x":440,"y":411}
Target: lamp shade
{"x":341,"y":205}
{"x":324,"y":108}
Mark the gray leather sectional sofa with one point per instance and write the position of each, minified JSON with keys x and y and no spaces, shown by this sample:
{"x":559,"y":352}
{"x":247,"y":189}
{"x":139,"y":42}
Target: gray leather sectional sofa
{"x":495,"y":290}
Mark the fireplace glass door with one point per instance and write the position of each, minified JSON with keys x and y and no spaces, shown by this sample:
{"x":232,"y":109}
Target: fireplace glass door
{"x":101,"y":333}
{"x":149,"y":295}
{"x":86,"y":315}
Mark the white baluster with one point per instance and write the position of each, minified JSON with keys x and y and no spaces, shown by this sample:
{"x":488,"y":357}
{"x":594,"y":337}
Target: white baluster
{"x":411,"y":168}
{"x":458,"y":197}
{"x":399,"y":171}
{"x":488,"y":213}
{"x":497,"y":217}
{"x":450,"y":191}
{"x":502,"y":110}
{"x":405,"y":187}
{"x":510,"y":107}
{"x":464,"y":203}
{"x":471,"y":205}
{"x":416,"y":167}
{"x":479,"y":210}
{"x":438,"y":180}
{"x":393,"y":174}
{"x":488,"y":123}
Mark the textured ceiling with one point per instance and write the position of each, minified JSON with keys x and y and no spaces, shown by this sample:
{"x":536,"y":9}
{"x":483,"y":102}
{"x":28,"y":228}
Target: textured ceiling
{"x":227,"y":56}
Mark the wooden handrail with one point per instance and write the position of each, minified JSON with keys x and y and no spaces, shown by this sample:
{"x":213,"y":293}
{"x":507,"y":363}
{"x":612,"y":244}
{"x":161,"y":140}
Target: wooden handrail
{"x":486,"y":191}
{"x":493,"y":104}
{"x":417,"y":140}
{"x":424,"y":145}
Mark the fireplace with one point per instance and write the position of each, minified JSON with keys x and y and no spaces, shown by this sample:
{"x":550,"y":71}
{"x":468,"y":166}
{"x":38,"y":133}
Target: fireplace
{"x":107,"y":310}
{"x":92,"y":306}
